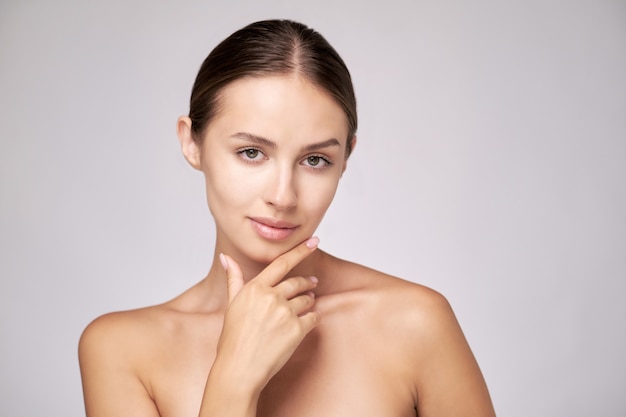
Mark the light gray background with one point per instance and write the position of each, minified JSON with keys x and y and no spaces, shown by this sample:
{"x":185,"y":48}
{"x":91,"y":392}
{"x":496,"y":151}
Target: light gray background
{"x":490,"y":166}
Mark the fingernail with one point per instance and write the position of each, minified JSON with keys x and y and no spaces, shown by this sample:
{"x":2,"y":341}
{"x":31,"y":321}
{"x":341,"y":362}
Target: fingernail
{"x":223,"y":262}
{"x":314,"y":280}
{"x":312,"y":242}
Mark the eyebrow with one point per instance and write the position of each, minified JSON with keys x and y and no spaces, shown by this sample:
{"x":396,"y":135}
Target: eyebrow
{"x":259,"y":140}
{"x":249,"y":137}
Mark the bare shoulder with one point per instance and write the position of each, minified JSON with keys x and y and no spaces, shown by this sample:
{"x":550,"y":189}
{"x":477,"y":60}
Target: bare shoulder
{"x":408,"y":303}
{"x":414,"y":330}
{"x":122,"y":340}
{"x":130,"y":361}
{"x":134,"y":336}
{"x":396,"y":307}
{"x":117,"y":330}
{"x":139,"y":329}
{"x":114,"y":350}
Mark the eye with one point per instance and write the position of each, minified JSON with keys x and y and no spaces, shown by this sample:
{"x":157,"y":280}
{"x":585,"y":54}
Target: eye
{"x":316,"y":161}
{"x":250,"y":154}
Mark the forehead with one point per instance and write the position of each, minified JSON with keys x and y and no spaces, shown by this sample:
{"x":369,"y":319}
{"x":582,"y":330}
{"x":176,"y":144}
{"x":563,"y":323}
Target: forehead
{"x":280,"y":107}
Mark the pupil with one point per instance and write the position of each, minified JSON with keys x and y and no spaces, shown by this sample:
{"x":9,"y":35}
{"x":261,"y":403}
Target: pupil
{"x":314,"y":160}
{"x":252,"y":153}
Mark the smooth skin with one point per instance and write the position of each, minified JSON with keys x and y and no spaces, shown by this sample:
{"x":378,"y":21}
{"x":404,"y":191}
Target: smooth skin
{"x":278,"y":327}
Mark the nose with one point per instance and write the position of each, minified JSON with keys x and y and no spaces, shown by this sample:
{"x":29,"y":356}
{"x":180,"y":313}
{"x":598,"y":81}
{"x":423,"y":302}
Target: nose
{"x":280,"y":191}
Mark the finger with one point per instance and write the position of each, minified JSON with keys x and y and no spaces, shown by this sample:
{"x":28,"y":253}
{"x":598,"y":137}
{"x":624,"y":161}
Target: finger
{"x":234,"y":276}
{"x":309,"y":320}
{"x":302,"y":303}
{"x":293,"y":286}
{"x":276,"y":271}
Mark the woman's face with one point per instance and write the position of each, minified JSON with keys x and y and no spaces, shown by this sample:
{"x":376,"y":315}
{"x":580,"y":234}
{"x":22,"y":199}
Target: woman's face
{"x":272,"y":159}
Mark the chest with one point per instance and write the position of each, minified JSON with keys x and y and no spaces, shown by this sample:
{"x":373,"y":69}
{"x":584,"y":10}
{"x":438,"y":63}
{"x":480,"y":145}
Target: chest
{"x":336,"y":381}
{"x":335,"y":372}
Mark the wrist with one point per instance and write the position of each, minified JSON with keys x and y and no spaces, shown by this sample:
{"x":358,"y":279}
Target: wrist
{"x":230,"y":391}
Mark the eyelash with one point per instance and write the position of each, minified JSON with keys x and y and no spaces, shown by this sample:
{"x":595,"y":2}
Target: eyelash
{"x":242,"y":154}
{"x":327,"y":162}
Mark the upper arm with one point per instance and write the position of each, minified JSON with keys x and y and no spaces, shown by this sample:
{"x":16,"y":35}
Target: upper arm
{"x":448,"y":379}
{"x":108,"y":364}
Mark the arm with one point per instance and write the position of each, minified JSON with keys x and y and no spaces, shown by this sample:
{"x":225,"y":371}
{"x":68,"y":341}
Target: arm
{"x":110,"y":385}
{"x":450,"y":382}
{"x":265,"y":321}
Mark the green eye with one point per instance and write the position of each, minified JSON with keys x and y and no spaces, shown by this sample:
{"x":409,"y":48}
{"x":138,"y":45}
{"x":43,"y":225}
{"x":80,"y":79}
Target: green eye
{"x":316,"y":161}
{"x":313,"y":160}
{"x":252,"y":153}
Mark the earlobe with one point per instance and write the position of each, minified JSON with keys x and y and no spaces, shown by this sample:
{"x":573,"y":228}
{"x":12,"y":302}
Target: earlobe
{"x":188,"y":145}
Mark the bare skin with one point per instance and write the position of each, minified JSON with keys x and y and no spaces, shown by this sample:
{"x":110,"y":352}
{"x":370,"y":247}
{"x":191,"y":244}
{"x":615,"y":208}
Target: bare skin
{"x":279,"y":327}
{"x":383,"y":346}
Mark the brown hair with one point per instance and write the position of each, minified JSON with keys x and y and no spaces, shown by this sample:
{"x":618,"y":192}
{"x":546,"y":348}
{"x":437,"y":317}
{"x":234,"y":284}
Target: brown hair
{"x":265,"y":48}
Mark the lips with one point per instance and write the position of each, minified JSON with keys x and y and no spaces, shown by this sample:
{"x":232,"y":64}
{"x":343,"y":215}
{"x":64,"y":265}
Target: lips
{"x":272,"y":229}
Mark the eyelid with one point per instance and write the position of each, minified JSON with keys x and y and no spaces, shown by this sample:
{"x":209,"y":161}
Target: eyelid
{"x":241,"y":151}
{"x":328,"y":162}
{"x":248,"y":147}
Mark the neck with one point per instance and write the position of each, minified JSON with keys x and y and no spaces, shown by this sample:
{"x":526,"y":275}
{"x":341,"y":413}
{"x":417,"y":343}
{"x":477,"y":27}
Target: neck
{"x":315,"y":264}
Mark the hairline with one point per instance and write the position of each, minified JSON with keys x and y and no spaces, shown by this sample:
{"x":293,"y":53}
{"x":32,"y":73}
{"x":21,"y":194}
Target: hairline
{"x":290,"y":72}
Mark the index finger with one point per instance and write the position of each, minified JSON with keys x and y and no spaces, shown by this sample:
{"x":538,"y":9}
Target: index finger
{"x":276,"y":271}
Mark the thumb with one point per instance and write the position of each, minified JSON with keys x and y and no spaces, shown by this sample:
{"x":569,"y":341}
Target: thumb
{"x":234,"y":276}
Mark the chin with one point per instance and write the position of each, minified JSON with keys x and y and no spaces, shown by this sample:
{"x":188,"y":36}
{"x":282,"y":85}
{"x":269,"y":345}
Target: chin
{"x":264,"y":252}
{"x":268,"y":252}
{"x":250,"y":247}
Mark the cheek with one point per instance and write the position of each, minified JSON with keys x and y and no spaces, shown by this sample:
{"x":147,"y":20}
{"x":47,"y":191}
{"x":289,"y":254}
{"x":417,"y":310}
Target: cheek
{"x":228,"y":188}
{"x":317,"y":197}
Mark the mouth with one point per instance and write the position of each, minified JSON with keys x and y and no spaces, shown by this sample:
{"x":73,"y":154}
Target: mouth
{"x":272,"y":229}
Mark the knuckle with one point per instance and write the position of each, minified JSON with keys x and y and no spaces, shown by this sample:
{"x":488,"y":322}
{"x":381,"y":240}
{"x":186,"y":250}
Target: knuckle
{"x":313,"y":319}
{"x":298,"y":284}
{"x":289,"y":285}
{"x":308,"y":300}
{"x":294,"y":285}
{"x":283,"y":313}
{"x":282,"y":265}
{"x":254,"y":287}
{"x":273,"y":301}
{"x":301,"y":284}
{"x":297,"y":330}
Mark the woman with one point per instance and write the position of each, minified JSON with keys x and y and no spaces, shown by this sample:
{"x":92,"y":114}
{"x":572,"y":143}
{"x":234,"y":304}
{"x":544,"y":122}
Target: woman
{"x":278,"y":327}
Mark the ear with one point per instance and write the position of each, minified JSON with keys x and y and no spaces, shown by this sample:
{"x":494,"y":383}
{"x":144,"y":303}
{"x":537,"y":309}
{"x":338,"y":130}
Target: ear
{"x":345,"y":162}
{"x":190,"y":148}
